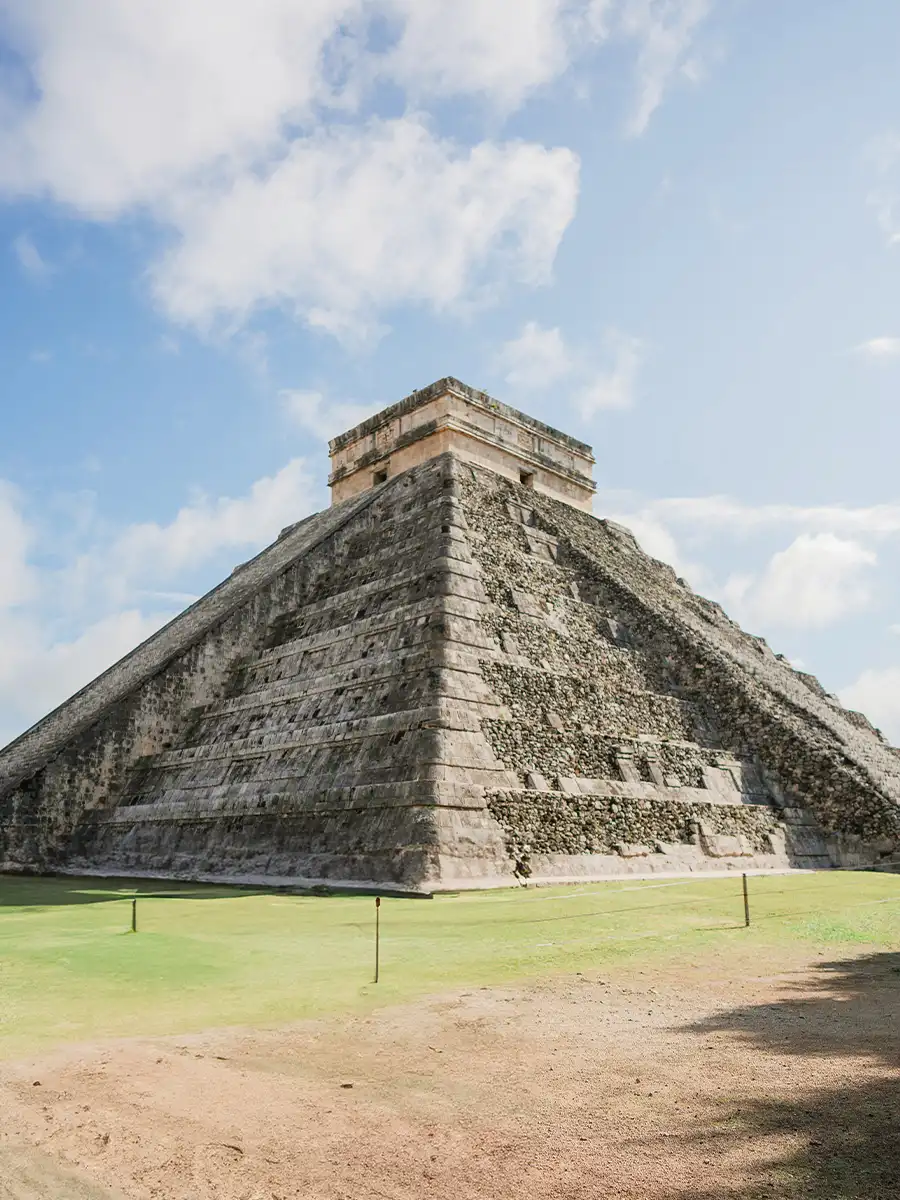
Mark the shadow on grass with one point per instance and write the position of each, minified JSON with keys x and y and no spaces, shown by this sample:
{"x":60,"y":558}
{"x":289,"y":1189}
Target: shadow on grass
{"x":53,"y":891}
{"x":850,"y":1136}
{"x":32,"y":891}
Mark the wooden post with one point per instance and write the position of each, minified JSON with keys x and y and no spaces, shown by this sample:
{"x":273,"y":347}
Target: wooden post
{"x":377,"y":933}
{"x":746,"y":901}
{"x":134,"y":915}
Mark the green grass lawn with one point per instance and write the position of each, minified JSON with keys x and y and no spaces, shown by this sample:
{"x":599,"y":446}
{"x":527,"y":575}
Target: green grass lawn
{"x":70,"y":969}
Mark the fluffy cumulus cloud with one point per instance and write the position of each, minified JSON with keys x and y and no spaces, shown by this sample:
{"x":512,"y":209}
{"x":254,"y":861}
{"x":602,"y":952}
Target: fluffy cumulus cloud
{"x":39,"y":671}
{"x":135,"y":98}
{"x":501,"y":49}
{"x":352,"y":221}
{"x":815,"y":581}
{"x":535,"y":358}
{"x":613,"y":384}
{"x":248,"y":132}
{"x":815,"y":566}
{"x":877,"y":693}
{"x":203,"y":528}
{"x":595,"y":377}
{"x":311,"y":410}
{"x":61,"y":625}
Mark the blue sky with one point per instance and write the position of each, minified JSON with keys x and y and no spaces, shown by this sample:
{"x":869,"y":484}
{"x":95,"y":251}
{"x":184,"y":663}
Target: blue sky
{"x":228,"y":231}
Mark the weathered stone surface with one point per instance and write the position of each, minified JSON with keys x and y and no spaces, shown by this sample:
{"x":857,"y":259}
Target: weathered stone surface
{"x":411,"y":689}
{"x":449,"y":417}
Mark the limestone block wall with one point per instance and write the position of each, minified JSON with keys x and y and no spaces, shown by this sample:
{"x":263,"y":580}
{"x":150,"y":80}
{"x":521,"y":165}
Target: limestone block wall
{"x":448,"y":416}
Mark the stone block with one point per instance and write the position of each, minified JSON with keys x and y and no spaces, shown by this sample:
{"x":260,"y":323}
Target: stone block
{"x":720,"y":845}
{"x":632,"y":850}
{"x":570,"y":785}
{"x":527,"y":604}
{"x":536,"y":782}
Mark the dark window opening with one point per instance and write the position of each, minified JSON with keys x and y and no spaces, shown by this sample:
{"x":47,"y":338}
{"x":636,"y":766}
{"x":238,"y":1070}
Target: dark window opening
{"x":380,"y":477}
{"x":526,"y":478}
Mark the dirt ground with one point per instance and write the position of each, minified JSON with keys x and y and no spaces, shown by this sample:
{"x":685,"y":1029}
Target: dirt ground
{"x":670,"y":1082}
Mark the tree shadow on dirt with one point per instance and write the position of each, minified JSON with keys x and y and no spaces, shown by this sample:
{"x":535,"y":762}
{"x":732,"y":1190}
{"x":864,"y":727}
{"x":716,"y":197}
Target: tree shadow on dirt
{"x":848,"y":1138}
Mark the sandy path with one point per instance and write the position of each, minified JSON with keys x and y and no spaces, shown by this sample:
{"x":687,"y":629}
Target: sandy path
{"x":673,"y":1084}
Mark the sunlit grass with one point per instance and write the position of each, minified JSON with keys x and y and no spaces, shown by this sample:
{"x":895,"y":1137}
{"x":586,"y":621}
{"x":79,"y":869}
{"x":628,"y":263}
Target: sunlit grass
{"x":70,"y":969}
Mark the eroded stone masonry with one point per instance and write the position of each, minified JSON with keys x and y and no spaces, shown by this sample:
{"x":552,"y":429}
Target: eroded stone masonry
{"x":455,"y":676}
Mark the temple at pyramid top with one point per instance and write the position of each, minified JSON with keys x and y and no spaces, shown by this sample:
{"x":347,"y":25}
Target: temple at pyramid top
{"x":448,"y":415}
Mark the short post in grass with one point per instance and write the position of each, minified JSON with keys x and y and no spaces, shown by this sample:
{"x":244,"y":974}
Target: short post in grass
{"x":746,"y":901}
{"x":377,"y":933}
{"x":134,"y":915}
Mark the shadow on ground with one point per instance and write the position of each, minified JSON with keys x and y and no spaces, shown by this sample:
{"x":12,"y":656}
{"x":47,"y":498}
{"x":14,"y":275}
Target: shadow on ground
{"x":51,"y":891}
{"x":847,"y":1139}
{"x":32,"y":891}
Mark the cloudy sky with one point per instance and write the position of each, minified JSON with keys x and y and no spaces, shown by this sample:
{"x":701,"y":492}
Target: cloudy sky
{"x":229,"y":230}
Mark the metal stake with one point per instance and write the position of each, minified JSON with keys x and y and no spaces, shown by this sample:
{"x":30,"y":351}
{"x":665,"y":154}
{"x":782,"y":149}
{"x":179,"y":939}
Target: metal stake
{"x":134,"y":915}
{"x":746,"y":901}
{"x":377,"y":933}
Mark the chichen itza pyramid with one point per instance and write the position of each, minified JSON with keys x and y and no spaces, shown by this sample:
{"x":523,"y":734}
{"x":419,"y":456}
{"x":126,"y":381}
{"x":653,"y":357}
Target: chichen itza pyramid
{"x":454,"y":676}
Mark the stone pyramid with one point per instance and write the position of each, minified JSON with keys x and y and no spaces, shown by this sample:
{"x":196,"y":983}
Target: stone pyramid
{"x":454,"y":676}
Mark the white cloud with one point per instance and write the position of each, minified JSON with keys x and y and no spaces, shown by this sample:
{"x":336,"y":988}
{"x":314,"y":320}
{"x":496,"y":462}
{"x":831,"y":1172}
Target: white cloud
{"x":242,"y":129}
{"x":138,"y":97}
{"x":659,"y":542}
{"x":665,"y":32}
{"x":613,"y":386}
{"x":876,"y":693}
{"x":352,"y":221}
{"x":17,"y":577}
{"x":502,"y":49}
{"x":879,"y":349}
{"x":30,"y":259}
{"x":725,"y":514}
{"x":596,"y":377}
{"x":536,"y":358}
{"x":824,"y":573}
{"x":37,"y":672}
{"x":203,"y":529}
{"x":814,"y":582}
{"x":84,"y":615}
{"x":312,"y":411}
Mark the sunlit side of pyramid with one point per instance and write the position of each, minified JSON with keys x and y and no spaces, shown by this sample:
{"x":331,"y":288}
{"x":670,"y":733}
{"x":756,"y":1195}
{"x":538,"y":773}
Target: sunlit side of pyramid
{"x":454,"y":676}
